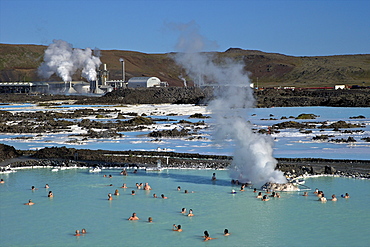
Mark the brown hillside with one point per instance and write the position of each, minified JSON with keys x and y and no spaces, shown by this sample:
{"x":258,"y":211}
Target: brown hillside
{"x":20,"y":62}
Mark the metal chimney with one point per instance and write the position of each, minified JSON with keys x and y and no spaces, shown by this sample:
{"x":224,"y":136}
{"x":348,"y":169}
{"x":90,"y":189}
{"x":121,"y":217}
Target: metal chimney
{"x":123,"y":69}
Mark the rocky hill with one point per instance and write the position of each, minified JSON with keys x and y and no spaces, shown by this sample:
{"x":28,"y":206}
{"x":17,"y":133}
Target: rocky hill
{"x":20,"y":63}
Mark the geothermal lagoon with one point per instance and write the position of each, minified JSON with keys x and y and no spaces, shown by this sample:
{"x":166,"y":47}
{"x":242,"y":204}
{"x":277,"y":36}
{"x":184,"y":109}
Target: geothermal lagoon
{"x":80,"y":198}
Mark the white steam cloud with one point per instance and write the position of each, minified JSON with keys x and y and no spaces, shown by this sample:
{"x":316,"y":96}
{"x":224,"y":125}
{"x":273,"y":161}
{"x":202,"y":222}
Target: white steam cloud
{"x":252,"y":158}
{"x":62,"y":59}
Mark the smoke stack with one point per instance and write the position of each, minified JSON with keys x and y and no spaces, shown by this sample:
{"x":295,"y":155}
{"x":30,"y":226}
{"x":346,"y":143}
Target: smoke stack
{"x":123,"y":69}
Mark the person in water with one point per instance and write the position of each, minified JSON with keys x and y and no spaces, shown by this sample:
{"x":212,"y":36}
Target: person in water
{"x":83,"y":231}
{"x":150,"y":219}
{"x":155,"y":196}
{"x":206,"y":236}
{"x":322,"y":198}
{"x":77,"y":233}
{"x":346,"y":196}
{"x":29,"y":202}
{"x":190,"y":213}
{"x":305,"y":193}
{"x":33,"y":188}
{"x":124,"y":186}
{"x":177,"y":228}
{"x":164,"y":197}
{"x":242,"y":187}
{"x":2,"y":181}
{"x":255,"y":190}
{"x":50,"y":194}
{"x":110,"y":197}
{"x":333,"y":198}
{"x":183,"y":210}
{"x":134,"y":217}
{"x":259,"y":195}
{"x":116,"y":192}
{"x":265,"y":198}
{"x":214,"y":176}
{"x":133,"y":192}
{"x":46,"y":186}
{"x":147,"y":187}
{"x":178,"y":188}
{"x":226,"y":232}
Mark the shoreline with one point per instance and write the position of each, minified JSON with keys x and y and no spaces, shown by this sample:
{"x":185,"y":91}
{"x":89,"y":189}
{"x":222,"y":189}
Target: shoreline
{"x":292,"y":168}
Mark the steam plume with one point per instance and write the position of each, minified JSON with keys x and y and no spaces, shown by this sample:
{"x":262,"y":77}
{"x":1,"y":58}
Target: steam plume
{"x":252,"y":157}
{"x":62,"y":59}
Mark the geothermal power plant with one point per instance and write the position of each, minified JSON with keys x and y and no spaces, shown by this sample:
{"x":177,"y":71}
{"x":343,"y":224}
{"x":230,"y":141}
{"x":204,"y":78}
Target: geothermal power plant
{"x":101,"y":85}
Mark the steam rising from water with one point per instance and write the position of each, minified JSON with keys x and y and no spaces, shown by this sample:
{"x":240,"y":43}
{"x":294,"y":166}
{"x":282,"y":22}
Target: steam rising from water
{"x":62,"y":59}
{"x":252,"y":157}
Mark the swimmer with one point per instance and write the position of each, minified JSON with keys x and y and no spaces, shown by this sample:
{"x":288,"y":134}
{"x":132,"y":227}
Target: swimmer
{"x":133,"y":217}
{"x":124,"y":186}
{"x":265,"y":198}
{"x":278,"y":195}
{"x":186,"y":191}
{"x":177,"y":228}
{"x":259,"y":195}
{"x":183,"y":210}
{"x":206,"y":236}
{"x":178,"y":188}
{"x":116,"y":193}
{"x":254,"y":190}
{"x":46,"y":186}
{"x":104,"y":176}
{"x":155,"y":196}
{"x":242,"y":187}
{"x":124,"y":172}
{"x":267,"y":191}
{"x":83,"y":231}
{"x":233,"y":192}
{"x":322,"y":198}
{"x":164,"y":197}
{"x":110,"y":176}
{"x":33,"y":188}
{"x":50,"y":194}
{"x":147,"y":187}
{"x":320,"y":193}
{"x":110,"y":197}
{"x":316,"y":191}
{"x":29,"y":202}
{"x":334,"y":198}
{"x":226,"y":232}
{"x":2,"y":181}
{"x":133,"y":192}
{"x":135,"y":171}
{"x":77,"y":233}
{"x":346,"y":196}
{"x":150,"y":219}
{"x":214,"y":176}
{"x":190,"y":213}
{"x":138,"y":186}
{"x":305,"y":194}
{"x":110,"y":185}
{"x":273,"y":194}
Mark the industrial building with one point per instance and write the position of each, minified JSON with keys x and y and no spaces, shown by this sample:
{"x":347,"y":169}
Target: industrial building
{"x":136,"y":82}
{"x":101,"y":85}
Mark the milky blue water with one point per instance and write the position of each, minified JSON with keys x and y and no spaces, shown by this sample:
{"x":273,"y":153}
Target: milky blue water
{"x":289,"y":143}
{"x":80,"y":201}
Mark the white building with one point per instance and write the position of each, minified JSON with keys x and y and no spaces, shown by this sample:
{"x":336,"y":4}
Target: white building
{"x":136,"y":82}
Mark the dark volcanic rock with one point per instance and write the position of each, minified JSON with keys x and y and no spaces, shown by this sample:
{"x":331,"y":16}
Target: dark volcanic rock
{"x":8,"y":152}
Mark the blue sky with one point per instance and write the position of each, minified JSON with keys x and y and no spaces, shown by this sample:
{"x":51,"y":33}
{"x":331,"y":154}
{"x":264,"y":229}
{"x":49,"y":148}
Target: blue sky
{"x":298,"y":28}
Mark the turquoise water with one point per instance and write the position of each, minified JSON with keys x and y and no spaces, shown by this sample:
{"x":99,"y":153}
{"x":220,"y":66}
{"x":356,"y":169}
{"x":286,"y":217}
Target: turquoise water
{"x":289,"y":143}
{"x":80,"y":201}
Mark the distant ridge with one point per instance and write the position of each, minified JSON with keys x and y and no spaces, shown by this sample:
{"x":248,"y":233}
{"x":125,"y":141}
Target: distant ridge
{"x":20,"y":63}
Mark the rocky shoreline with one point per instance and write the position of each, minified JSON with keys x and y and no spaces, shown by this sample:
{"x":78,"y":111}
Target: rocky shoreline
{"x":70,"y":157}
{"x":265,"y":98}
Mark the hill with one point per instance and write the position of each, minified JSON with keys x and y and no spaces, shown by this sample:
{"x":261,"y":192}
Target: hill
{"x":20,"y":63}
